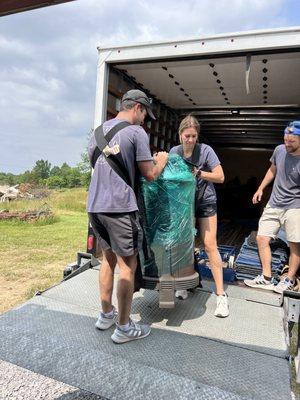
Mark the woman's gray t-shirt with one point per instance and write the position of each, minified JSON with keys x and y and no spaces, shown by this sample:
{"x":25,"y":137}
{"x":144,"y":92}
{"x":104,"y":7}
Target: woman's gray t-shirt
{"x":208,"y":160}
{"x":108,"y":192}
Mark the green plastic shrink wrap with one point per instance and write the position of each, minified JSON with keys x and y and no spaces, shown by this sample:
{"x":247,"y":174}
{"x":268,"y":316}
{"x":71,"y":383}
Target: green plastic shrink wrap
{"x":169,"y":219}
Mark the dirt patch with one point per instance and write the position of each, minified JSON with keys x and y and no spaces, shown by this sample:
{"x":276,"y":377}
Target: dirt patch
{"x":11,"y":294}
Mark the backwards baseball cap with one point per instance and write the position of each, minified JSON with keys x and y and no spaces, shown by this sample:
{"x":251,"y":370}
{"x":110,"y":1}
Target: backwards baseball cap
{"x":139,"y":97}
{"x":293,"y":128}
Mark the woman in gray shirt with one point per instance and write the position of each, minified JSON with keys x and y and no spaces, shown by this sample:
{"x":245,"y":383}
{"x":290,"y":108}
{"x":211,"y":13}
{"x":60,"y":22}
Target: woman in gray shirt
{"x":209,"y":171}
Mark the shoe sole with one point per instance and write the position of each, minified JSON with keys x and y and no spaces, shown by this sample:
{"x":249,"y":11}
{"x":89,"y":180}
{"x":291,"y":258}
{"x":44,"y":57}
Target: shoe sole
{"x":221,"y":316}
{"x":281,"y":291}
{"x":118,"y":341}
{"x":263,"y":287}
{"x":104,"y":328}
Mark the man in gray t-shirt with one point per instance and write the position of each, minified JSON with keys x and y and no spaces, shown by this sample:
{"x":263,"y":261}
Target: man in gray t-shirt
{"x":113,"y":210}
{"x":282,"y":210}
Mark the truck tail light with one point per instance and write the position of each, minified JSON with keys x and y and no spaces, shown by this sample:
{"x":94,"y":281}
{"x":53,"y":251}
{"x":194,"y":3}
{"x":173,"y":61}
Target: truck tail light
{"x":90,"y":242}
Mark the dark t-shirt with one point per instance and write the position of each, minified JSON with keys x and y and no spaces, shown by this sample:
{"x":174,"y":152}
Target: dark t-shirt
{"x":108,"y":193}
{"x":208,"y":160}
{"x":286,"y":188}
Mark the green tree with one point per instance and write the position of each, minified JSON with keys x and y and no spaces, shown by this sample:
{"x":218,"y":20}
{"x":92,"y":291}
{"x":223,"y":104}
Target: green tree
{"x":41,"y":170}
{"x":8,"y":179}
{"x":55,"y":171}
{"x":73,"y":178}
{"x":64,"y":170}
{"x":84,"y":165}
{"x":27,"y":177}
{"x":11,"y":179}
{"x":55,"y":182}
{"x":85,"y":179}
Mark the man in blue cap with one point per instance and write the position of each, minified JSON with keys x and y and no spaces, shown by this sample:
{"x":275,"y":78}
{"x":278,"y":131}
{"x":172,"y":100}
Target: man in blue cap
{"x":282,"y":210}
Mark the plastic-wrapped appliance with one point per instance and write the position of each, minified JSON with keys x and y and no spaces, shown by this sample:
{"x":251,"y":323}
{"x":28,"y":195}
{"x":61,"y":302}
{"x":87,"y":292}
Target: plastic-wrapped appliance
{"x":168,"y":219}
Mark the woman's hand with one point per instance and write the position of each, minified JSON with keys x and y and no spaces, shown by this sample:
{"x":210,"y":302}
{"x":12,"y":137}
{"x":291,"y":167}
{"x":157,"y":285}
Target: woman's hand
{"x":215,"y":176}
{"x":196,"y":172}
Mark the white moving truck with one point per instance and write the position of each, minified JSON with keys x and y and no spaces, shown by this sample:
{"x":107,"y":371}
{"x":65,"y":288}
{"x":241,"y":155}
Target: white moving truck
{"x":243,"y":87}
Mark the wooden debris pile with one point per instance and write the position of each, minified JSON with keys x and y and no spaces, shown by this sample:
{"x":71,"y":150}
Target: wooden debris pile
{"x":22,"y":191}
{"x":44,"y":212}
{"x":13,"y":193}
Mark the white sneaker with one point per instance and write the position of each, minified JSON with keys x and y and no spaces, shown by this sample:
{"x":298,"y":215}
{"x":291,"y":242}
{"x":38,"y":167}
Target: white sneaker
{"x":222,"y":309}
{"x":135,"y":331}
{"x":259,"y":282}
{"x":104,"y":322}
{"x":284,"y":284}
{"x":181,"y":294}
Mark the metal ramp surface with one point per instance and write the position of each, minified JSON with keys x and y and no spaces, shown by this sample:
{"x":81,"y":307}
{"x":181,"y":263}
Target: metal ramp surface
{"x":190,"y":354}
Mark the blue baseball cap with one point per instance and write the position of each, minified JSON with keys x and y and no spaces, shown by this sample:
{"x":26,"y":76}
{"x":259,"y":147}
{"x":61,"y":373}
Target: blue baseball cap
{"x":293,"y":128}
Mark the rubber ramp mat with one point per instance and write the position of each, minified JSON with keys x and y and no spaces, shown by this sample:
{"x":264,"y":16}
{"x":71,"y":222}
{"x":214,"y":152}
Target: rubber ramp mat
{"x":58,"y":340}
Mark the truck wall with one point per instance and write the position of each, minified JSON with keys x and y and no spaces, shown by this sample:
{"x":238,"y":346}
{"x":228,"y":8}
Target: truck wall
{"x":163,"y":131}
{"x":244,"y":163}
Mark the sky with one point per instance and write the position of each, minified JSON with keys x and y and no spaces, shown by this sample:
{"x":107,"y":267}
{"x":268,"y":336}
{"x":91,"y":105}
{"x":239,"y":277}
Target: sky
{"x":48,"y":61}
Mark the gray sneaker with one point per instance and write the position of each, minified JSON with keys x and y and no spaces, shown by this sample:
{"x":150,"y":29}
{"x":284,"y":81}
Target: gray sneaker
{"x":135,"y":331}
{"x":104,"y":322}
{"x":284,"y":284}
{"x":260,"y":283}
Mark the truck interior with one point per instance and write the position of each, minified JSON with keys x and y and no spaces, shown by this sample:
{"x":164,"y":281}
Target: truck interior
{"x":243,"y":103}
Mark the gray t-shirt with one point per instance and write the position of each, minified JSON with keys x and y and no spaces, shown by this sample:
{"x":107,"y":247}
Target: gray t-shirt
{"x":286,"y":188}
{"x":108,"y":193}
{"x":208,"y":160}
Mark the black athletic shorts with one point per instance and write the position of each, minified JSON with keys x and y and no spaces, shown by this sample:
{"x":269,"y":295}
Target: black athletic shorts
{"x":120,"y":232}
{"x":206,"y":210}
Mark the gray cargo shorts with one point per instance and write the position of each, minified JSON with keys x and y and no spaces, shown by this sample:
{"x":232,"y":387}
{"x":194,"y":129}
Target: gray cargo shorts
{"x":120,"y":232}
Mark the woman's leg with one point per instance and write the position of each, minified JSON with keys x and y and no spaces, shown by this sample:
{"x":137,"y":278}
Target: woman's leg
{"x":208,"y":233}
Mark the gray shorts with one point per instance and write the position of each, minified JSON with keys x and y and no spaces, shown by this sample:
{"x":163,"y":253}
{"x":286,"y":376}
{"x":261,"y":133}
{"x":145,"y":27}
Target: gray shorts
{"x":273,"y":219}
{"x":120,"y":232}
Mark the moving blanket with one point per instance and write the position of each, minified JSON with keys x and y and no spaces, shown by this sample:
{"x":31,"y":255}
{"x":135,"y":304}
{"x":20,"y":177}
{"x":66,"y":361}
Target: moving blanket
{"x":248,"y":263}
{"x":169,"y":219}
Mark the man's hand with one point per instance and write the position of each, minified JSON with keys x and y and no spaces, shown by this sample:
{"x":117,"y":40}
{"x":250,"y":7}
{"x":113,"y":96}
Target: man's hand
{"x":269,"y":177}
{"x":161,"y":158}
{"x":257,"y":196}
{"x":152,"y":169}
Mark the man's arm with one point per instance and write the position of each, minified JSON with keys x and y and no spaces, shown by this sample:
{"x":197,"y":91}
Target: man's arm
{"x":269,"y":177}
{"x":151,"y":170}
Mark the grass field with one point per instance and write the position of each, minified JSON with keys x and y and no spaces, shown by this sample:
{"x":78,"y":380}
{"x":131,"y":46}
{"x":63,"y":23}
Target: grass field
{"x":34,"y":254}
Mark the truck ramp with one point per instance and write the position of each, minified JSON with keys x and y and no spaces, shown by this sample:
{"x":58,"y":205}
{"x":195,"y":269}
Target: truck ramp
{"x":190,"y":354}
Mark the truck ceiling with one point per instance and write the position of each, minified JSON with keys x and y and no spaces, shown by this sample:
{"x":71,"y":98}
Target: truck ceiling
{"x":244,"y":87}
{"x":271,"y":80}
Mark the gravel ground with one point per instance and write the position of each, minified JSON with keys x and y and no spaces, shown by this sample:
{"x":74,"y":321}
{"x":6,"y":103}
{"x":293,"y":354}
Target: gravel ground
{"x":17,"y":383}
